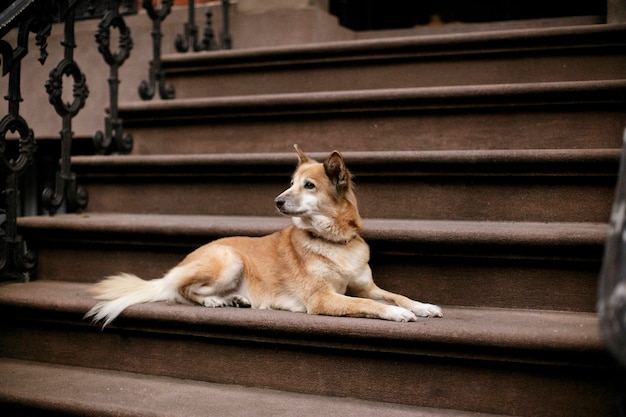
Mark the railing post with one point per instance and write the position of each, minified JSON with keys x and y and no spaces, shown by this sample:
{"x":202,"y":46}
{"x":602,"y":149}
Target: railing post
{"x":612,"y":287}
{"x":190,"y":31}
{"x":16,"y":261}
{"x":189,"y":36}
{"x":113,"y":138}
{"x":66,"y":188}
{"x":226,"y":40}
{"x":156,"y":74}
{"x":208,"y":38}
{"x":616,"y":11}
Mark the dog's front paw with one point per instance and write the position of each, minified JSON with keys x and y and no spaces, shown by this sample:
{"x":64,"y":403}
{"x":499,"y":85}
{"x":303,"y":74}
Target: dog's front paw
{"x":394,"y":313}
{"x":427,"y":310}
{"x":214,"y":302}
{"x":240,"y":301}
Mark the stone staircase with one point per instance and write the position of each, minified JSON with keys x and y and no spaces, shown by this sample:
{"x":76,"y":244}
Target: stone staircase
{"x":485,"y":165}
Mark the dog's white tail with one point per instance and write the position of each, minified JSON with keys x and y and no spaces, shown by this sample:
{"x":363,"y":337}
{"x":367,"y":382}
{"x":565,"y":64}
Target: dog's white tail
{"x":121,"y":291}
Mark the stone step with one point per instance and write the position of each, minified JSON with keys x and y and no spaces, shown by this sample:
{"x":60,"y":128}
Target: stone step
{"x":590,"y":52}
{"x":527,"y":363}
{"x":506,"y":185}
{"x":301,"y":25}
{"x":482,"y":264}
{"x":42,"y":389}
{"x":564,"y":115}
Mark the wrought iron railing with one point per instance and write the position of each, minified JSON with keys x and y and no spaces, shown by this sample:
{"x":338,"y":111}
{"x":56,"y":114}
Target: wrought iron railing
{"x":113,"y":139}
{"x":612,"y":287}
{"x":16,"y":154}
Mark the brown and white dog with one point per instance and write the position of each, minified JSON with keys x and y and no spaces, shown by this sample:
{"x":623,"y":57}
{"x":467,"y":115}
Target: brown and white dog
{"x":309,"y":266}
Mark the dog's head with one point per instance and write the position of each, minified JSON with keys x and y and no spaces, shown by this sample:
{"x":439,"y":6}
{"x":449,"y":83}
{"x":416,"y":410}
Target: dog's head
{"x":320,"y":193}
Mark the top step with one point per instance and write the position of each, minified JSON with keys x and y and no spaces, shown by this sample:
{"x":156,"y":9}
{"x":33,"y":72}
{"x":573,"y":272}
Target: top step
{"x":516,"y":56}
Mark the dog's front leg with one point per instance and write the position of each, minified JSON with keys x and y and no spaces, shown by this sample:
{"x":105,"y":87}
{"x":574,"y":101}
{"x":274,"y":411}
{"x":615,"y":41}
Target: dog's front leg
{"x":420,"y":309}
{"x":365,"y":287}
{"x":330,"y":303}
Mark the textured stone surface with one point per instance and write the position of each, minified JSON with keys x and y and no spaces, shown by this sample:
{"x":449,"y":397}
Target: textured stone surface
{"x":499,"y":264}
{"x":523,"y":360}
{"x":575,"y":53}
{"x":513,"y":185}
{"x":61,"y":390}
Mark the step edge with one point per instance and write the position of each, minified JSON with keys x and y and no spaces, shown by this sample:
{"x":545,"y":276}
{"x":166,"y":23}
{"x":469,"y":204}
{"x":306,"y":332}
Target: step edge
{"x":485,"y":232}
{"x":461,"y":333}
{"x":546,"y":88}
{"x":524,"y":161}
{"x":431,"y":45}
{"x":58,"y":395}
{"x":436,"y":98}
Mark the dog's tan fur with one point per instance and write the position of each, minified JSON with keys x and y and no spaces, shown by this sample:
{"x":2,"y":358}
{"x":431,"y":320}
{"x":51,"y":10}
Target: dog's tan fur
{"x":319,"y":265}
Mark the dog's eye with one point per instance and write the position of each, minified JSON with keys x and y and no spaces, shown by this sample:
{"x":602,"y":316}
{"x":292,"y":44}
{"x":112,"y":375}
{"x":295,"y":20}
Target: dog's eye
{"x":309,"y":185}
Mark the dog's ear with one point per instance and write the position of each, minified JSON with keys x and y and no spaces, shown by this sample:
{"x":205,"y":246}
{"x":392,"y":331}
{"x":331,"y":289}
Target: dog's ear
{"x":301,"y":155}
{"x":337,"y":172}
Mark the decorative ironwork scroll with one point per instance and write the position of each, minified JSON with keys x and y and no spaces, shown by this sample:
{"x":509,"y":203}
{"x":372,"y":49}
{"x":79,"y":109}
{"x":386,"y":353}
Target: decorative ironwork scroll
{"x":190,"y":34}
{"x":612,"y":288}
{"x":113,"y":139}
{"x":16,"y":261}
{"x":66,"y":188}
{"x":147,"y":89}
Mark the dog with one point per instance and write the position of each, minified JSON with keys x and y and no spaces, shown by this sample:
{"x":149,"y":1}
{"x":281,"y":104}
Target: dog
{"x":317,"y":265}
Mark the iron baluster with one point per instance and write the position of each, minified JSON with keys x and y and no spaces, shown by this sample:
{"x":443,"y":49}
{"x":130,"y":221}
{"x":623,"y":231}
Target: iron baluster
{"x":190,"y":34}
{"x":65,"y":187}
{"x":113,"y":138}
{"x":16,"y":261}
{"x":612,"y":288}
{"x":226,"y":40}
{"x":208,"y":38}
{"x":156,"y":74}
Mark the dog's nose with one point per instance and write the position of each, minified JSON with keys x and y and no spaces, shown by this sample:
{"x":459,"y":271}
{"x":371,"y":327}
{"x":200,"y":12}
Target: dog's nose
{"x":279,"y":202}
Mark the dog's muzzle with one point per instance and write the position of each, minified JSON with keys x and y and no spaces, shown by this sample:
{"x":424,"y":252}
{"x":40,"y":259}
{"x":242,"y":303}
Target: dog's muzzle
{"x":279,"y":202}
{"x":285,"y":206}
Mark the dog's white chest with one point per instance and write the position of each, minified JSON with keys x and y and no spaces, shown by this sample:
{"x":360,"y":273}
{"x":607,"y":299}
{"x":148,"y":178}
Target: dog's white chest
{"x":339,"y":264}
